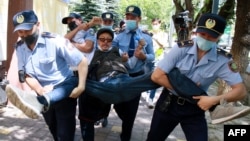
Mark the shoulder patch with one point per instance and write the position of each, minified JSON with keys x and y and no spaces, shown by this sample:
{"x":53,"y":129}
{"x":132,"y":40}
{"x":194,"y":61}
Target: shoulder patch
{"x":147,"y":32}
{"x":233,"y":66}
{"x":18,"y":43}
{"x":224,"y":53}
{"x":186,"y":43}
{"x":91,"y":32}
{"x":48,"y":35}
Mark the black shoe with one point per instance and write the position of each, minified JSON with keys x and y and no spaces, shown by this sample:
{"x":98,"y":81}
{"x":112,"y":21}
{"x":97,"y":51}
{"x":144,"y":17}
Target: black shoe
{"x":105,"y":122}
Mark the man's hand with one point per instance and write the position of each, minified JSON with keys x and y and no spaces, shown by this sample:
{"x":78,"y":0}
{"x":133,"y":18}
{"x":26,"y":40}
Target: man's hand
{"x":95,"y":21}
{"x":205,"y":102}
{"x":45,"y":89}
{"x":76,"y":92}
{"x":139,"y":54}
{"x":125,"y":57}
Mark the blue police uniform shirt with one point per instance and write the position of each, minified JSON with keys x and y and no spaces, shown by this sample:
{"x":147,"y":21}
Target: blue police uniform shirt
{"x":81,"y":36}
{"x":49,"y":61}
{"x":122,"y":41}
{"x":212,"y":66}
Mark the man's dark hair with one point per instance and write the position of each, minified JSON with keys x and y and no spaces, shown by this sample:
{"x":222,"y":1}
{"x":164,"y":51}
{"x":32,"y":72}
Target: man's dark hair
{"x":105,"y":30}
{"x":156,"y":19}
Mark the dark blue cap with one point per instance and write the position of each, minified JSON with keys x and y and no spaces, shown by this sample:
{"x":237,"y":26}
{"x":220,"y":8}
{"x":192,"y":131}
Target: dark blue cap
{"x":134,"y":10}
{"x":71,"y":15}
{"x":107,"y":16}
{"x":24,"y":20}
{"x":212,"y":24}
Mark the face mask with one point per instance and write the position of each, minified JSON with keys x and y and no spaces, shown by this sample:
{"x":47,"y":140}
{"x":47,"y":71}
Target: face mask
{"x":30,"y":39}
{"x":130,"y":24}
{"x":72,"y":25}
{"x":104,"y":50}
{"x":204,"y":44}
{"x":156,"y":27}
{"x":107,"y":26}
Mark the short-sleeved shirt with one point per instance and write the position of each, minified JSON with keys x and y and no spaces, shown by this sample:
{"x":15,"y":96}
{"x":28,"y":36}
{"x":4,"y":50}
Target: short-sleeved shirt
{"x":81,"y":36}
{"x":49,"y":61}
{"x":122,"y":41}
{"x":204,"y":72}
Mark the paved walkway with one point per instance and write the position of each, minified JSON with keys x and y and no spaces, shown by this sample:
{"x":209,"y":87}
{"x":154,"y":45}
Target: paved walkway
{"x":15,"y":126}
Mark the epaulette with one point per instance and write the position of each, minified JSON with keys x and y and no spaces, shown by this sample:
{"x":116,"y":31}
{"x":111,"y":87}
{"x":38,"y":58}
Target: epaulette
{"x":18,"y":43}
{"x":48,"y":35}
{"x":186,"y":43}
{"x":224,"y":53}
{"x":147,"y":32}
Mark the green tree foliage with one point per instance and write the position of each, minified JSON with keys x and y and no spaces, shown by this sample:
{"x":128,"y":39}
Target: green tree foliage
{"x":87,"y":8}
{"x":150,"y":9}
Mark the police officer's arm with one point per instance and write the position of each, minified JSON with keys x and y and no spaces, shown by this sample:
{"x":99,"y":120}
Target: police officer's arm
{"x":82,"y":76}
{"x":86,"y":47}
{"x":238,"y":92}
{"x":36,"y":86}
{"x":159,"y":76}
{"x":83,"y":26}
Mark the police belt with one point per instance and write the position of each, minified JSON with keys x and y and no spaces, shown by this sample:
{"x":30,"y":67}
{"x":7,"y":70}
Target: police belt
{"x":176,"y":98}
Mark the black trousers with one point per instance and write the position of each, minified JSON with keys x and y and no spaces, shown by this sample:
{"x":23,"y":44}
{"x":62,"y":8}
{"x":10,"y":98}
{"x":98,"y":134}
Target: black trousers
{"x":127,"y":112}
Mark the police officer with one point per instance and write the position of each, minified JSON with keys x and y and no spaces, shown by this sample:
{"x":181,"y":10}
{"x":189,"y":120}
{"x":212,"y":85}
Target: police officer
{"x":199,"y":61}
{"x":107,"y":20}
{"x":44,"y":59}
{"x":81,"y":34}
{"x":127,"y":110}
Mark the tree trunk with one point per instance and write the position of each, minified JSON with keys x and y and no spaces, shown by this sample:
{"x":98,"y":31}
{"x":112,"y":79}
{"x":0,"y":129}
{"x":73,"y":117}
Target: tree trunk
{"x":241,"y":41}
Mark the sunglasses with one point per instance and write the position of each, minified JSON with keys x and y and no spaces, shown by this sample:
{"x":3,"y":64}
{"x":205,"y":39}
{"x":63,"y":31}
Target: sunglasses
{"x":103,"y":40}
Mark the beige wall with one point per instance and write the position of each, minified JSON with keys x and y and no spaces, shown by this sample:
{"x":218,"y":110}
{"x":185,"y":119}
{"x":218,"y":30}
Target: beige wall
{"x":49,"y":12}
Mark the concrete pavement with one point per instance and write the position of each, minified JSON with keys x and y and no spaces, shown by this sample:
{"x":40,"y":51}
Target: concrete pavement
{"x":15,"y":126}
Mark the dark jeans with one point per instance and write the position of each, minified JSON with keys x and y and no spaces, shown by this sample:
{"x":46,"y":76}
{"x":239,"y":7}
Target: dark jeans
{"x":190,"y":116}
{"x":60,"y":117}
{"x":120,"y":88}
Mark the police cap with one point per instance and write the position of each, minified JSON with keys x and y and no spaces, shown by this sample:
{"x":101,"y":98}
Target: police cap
{"x":24,"y":20}
{"x":71,"y":15}
{"x":134,"y":10}
{"x":212,"y":24}
{"x":107,"y":16}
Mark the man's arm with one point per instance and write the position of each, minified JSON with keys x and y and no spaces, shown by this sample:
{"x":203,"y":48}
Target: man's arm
{"x":160,"y":77}
{"x":82,"y":76}
{"x":86,"y":47}
{"x":37,"y":87}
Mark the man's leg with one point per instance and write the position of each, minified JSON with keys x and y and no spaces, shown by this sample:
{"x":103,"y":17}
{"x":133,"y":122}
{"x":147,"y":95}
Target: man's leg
{"x":120,"y":88}
{"x":127,"y":113}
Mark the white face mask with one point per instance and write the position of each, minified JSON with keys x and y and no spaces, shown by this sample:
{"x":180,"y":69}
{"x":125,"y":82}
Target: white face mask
{"x":156,"y":27}
{"x":107,"y":26}
{"x":204,"y":44}
{"x":104,"y":50}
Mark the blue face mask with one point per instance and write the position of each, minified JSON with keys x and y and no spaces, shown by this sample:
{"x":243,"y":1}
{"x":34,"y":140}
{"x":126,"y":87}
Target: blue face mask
{"x":130,"y":24}
{"x":107,"y":26}
{"x":204,"y":44}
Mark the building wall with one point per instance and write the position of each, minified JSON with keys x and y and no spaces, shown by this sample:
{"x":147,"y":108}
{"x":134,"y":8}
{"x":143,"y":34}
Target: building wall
{"x":50,"y":14}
